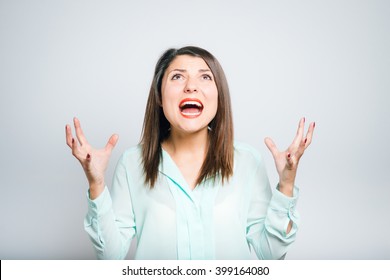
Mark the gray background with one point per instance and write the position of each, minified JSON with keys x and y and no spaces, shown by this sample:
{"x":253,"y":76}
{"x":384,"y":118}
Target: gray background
{"x":326,"y":60}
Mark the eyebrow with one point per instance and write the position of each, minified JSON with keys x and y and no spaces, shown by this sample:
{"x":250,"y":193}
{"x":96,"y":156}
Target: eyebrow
{"x":184,"y":70}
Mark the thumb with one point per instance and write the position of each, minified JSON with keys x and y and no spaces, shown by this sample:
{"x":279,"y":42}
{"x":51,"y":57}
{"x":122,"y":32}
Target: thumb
{"x":271,"y":146}
{"x":112,"y":142}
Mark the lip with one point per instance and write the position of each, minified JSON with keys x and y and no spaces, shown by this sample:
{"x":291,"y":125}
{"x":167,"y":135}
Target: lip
{"x":191,"y":101}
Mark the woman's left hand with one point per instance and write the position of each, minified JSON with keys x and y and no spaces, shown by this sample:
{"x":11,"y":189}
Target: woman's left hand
{"x":287,"y":161}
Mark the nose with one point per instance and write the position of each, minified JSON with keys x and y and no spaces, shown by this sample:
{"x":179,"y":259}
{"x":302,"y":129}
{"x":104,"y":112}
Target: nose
{"x":190,"y":86}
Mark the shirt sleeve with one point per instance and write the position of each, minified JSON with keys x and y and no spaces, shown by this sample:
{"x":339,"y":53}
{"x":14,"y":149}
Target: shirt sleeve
{"x":110,"y":219}
{"x":268,"y":217}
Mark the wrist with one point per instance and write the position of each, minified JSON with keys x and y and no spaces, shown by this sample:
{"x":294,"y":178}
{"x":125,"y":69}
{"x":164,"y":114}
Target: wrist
{"x":286,"y":188}
{"x":95,"y":189}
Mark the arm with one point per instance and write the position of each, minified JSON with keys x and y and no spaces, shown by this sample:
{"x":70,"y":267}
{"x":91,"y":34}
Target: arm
{"x":271,"y":234}
{"x":110,"y":220}
{"x":286,"y":162}
{"x":110,"y":225}
{"x":268,"y":218}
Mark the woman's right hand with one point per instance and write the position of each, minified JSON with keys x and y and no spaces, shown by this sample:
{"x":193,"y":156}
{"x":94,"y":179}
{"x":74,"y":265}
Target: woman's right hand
{"x":93,"y":161}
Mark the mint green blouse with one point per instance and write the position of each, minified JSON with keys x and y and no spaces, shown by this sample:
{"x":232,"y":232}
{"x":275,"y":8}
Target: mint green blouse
{"x":171,"y":221}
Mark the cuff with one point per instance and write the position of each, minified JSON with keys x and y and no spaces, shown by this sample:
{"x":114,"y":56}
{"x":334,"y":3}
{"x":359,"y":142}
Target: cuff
{"x":101,"y":205}
{"x":282,"y":209}
{"x":281,"y":201}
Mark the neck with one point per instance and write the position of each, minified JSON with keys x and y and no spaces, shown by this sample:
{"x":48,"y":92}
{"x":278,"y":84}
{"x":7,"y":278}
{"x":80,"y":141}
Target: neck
{"x":187,"y":144}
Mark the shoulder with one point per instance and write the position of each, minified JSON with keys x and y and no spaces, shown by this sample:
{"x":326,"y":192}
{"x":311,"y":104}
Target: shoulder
{"x":131,"y":154}
{"x":247,"y":153}
{"x":130,"y":163}
{"x":135,"y":150}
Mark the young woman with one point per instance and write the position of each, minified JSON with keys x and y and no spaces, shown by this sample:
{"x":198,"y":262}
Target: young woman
{"x":188,"y":191}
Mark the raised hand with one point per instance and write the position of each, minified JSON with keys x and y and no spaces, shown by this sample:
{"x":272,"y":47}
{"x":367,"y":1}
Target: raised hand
{"x":93,"y":161}
{"x":287,"y":161}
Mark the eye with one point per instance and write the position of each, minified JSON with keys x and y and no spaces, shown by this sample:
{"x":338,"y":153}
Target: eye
{"x":176,"y":77}
{"x":207,"y":77}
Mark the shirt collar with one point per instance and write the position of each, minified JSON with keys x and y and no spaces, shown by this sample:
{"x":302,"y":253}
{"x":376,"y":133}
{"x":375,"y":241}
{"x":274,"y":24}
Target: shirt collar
{"x":169,"y":168}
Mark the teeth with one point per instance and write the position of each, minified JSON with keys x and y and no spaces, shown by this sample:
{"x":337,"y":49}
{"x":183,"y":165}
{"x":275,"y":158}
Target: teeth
{"x":191,"y":114}
{"x":191,"y":103}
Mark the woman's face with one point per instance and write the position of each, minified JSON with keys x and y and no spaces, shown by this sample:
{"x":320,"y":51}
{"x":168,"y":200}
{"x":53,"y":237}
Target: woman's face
{"x":189,"y":94}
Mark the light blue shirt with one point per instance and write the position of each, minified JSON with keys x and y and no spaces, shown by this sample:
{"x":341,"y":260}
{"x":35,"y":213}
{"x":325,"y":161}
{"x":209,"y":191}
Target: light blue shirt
{"x":171,"y":221}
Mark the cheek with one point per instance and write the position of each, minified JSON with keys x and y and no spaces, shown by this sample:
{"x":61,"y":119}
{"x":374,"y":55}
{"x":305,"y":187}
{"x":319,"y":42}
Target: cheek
{"x":167,"y":108}
{"x":166,"y":97}
{"x":170,"y":93}
{"x":168,"y":105}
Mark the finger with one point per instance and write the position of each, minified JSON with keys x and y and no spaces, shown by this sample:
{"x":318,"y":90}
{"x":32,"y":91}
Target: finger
{"x":85,"y":161}
{"x":79,"y":131}
{"x":301,"y":149}
{"x":75,"y":149}
{"x":298,"y":137}
{"x":112,"y":142}
{"x":271,"y":146}
{"x":305,"y":142}
{"x":289,"y":159}
{"x":68,"y":135}
{"x":309,"y":134}
{"x":73,"y":145}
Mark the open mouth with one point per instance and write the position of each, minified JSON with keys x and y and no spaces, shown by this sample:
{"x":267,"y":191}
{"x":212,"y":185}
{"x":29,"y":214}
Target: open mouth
{"x":191,"y":108}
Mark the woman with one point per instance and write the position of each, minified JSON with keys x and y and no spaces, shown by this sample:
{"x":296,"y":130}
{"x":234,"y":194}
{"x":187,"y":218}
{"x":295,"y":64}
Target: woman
{"x":188,"y":191}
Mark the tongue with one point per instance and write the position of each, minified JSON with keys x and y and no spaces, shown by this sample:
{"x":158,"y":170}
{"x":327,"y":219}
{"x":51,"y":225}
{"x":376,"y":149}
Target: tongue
{"x":191,"y":110}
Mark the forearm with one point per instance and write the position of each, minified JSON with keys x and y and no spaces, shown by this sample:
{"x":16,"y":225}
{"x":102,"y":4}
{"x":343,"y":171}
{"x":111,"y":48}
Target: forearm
{"x":287,"y":189}
{"x":272,"y":236}
{"x":111,"y":238}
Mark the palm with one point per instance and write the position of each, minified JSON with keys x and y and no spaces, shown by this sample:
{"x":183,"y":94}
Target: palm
{"x":286,"y":162}
{"x":94,"y":161}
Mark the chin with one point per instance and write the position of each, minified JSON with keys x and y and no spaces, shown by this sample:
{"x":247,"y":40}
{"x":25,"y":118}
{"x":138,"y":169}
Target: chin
{"x":192,"y":129}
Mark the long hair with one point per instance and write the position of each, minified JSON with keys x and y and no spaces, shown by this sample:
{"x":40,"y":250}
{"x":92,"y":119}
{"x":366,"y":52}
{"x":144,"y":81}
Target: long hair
{"x":219,"y":158}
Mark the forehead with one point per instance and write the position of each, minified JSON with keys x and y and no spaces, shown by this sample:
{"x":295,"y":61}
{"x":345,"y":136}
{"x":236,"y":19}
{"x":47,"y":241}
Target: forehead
{"x":188,"y":62}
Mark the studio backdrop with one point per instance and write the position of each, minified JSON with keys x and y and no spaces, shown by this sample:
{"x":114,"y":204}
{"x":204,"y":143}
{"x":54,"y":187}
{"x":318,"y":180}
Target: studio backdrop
{"x":328,"y":61}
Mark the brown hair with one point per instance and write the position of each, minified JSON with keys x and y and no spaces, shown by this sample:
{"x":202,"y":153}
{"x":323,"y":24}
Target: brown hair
{"x":219,"y":158}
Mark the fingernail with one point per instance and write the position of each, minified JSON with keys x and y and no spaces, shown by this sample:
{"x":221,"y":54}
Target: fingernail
{"x":88,"y":156}
{"x":305,"y":140}
{"x":289,"y":155}
{"x":72,"y":140}
{"x":304,"y":119}
{"x":314,"y":125}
